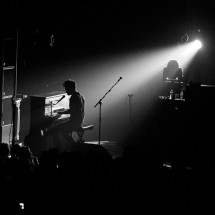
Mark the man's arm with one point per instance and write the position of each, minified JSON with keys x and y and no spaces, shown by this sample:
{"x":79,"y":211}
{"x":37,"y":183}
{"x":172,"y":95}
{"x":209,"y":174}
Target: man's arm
{"x":64,"y":112}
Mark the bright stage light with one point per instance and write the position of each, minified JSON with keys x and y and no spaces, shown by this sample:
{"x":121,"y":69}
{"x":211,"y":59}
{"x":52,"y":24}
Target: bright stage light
{"x":188,"y":51}
{"x":194,"y":46}
{"x":197,"y":44}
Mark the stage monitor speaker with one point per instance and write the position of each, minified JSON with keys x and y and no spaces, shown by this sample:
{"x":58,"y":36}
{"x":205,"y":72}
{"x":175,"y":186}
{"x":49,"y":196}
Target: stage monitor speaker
{"x":95,"y":153}
{"x":86,"y":148}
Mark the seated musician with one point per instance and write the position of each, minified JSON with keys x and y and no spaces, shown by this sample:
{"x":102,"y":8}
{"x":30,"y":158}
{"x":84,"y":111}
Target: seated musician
{"x":76,"y":112}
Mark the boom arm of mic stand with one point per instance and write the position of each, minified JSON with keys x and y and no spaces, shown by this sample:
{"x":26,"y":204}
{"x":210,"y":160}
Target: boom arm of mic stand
{"x":99,"y":102}
{"x":107,"y":92}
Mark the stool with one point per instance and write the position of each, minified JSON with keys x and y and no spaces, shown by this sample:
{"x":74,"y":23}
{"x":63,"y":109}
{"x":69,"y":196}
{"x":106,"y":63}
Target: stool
{"x":80,"y":132}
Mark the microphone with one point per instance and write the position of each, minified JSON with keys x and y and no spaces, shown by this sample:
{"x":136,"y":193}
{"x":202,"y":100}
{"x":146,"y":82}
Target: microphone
{"x":119,"y":78}
{"x":61,"y":99}
{"x":130,"y":95}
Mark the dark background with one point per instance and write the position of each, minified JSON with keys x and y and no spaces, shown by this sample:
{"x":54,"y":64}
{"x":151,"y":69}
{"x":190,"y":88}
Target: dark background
{"x":83,"y":28}
{"x":94,"y":28}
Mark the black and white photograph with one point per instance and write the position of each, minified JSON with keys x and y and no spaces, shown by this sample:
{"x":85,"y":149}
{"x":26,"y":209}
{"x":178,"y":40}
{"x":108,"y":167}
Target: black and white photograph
{"x":107,"y":107}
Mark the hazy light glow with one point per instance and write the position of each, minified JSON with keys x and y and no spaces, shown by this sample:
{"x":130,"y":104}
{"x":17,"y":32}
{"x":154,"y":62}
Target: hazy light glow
{"x":141,"y":72}
{"x":187,"y":53}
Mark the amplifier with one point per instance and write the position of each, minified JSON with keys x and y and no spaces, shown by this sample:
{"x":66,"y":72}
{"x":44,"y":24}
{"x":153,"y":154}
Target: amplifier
{"x":7,"y":133}
{"x":7,"y":119}
{"x":7,"y":110}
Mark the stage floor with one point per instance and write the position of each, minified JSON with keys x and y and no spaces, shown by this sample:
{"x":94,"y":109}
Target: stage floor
{"x":113,"y":147}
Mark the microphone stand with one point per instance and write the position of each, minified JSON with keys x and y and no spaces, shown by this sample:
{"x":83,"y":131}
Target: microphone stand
{"x":130,"y":112}
{"x":14,"y":97}
{"x":100,"y":106}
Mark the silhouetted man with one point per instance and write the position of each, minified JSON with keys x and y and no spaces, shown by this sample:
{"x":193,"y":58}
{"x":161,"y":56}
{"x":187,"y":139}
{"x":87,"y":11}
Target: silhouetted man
{"x":76,"y":111}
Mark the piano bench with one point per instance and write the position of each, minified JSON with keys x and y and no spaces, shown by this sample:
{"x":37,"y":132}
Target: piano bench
{"x":80,"y":132}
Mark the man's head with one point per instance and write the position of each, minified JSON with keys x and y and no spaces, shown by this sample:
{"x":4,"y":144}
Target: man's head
{"x":70,"y":86}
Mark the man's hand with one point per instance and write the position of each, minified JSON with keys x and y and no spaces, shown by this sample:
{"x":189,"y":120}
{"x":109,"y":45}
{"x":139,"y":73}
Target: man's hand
{"x":58,"y":112}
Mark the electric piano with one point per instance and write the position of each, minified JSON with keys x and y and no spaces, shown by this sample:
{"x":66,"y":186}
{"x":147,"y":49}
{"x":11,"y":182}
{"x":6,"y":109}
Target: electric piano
{"x":44,"y":107}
